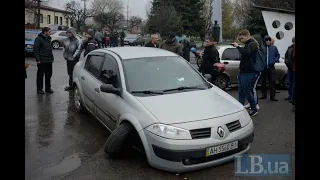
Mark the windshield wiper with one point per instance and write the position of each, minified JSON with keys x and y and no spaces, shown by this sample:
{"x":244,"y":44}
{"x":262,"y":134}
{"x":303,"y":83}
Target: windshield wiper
{"x":148,"y":92}
{"x":183,"y":88}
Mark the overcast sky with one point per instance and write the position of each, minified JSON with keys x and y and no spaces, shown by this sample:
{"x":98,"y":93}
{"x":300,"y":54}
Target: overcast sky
{"x":136,"y":7}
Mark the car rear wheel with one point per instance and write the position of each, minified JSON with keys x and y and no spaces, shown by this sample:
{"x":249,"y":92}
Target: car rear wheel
{"x":222,"y":81}
{"x":119,"y":140}
{"x":55,"y":45}
{"x":77,"y":100}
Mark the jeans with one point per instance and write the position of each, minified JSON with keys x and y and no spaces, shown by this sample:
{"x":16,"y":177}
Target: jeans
{"x":290,"y":81}
{"x":246,"y":90}
{"x":70,"y":67}
{"x":44,"y":69}
{"x":269,"y":73}
{"x":255,"y":81}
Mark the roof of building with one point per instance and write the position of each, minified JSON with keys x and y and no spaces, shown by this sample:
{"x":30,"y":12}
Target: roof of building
{"x":45,"y":7}
{"x":138,"y":52}
{"x":263,"y":8}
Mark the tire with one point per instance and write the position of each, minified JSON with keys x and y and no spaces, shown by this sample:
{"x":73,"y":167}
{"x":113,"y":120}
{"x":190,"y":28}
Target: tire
{"x":55,"y":44}
{"x":285,"y":82}
{"x":77,"y":100}
{"x":199,"y":61}
{"x":222,"y":81}
{"x":119,"y":140}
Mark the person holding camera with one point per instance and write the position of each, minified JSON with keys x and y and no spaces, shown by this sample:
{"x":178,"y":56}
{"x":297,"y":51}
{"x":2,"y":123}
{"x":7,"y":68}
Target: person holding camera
{"x":246,"y":69}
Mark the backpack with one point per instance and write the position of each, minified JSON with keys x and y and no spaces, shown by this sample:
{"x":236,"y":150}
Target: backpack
{"x":260,"y":63}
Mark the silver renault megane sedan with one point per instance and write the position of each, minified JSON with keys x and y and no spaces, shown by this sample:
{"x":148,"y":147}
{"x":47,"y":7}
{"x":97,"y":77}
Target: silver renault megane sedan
{"x":155,"y":101}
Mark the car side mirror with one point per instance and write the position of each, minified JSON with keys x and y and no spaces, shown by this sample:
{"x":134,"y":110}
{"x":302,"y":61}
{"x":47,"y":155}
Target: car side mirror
{"x":109,"y":88}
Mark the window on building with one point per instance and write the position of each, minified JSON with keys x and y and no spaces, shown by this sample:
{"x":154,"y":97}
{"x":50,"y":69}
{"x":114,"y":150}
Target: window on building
{"x":67,"y":21}
{"x":49,"y":19}
{"x":41,"y":18}
{"x":60,"y":20}
{"x":56,"y":20}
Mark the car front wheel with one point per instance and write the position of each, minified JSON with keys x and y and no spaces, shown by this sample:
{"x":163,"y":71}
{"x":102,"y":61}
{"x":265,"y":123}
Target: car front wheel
{"x":119,"y":140}
{"x":222,"y":81}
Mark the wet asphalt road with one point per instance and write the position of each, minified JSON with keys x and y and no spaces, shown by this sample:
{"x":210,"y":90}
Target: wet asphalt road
{"x":62,"y":144}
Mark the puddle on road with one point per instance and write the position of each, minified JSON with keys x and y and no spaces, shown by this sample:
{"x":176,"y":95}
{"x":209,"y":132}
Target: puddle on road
{"x":68,"y":164}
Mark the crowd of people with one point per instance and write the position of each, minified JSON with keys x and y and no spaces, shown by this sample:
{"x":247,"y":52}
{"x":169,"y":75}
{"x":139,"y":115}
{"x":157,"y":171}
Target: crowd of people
{"x":248,"y":76}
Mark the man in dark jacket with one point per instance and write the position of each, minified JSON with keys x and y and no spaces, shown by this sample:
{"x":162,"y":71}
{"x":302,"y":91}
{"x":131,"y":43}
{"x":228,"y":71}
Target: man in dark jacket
{"x":114,"y":39}
{"x":153,"y":42}
{"x":246,"y":69}
{"x":122,"y":36}
{"x":185,"y":48}
{"x":210,"y":56}
{"x":44,"y":57}
{"x":171,"y":44}
{"x":89,"y":44}
{"x":272,"y":55}
{"x":289,"y":63}
{"x":71,"y":53}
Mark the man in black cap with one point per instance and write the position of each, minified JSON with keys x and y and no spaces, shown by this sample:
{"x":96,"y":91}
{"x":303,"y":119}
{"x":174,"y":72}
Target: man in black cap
{"x":90,"y":43}
{"x":171,"y":44}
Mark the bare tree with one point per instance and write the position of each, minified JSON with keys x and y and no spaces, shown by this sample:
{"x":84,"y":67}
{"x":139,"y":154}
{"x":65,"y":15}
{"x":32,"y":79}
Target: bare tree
{"x":31,"y":9}
{"x":107,"y":12}
{"x":76,"y":13}
{"x":135,"y":21}
{"x":207,"y":14}
{"x":241,"y":12}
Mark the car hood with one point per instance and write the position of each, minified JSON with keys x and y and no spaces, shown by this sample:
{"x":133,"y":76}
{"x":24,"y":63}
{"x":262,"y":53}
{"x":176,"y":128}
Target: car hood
{"x":130,"y":40}
{"x":191,"y":106}
{"x":29,"y":42}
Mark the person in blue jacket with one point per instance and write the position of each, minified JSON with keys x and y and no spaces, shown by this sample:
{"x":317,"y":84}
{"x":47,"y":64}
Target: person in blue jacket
{"x":272,"y":56}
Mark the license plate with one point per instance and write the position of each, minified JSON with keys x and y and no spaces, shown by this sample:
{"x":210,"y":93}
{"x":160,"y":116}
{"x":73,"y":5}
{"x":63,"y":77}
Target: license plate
{"x":221,"y":148}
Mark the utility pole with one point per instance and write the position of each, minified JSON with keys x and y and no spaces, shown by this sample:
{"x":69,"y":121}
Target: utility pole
{"x":127,"y":15}
{"x":38,"y":17}
{"x":84,"y":10}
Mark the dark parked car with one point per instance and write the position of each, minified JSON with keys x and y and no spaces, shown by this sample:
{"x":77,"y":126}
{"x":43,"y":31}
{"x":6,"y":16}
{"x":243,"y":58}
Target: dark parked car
{"x":134,"y":40}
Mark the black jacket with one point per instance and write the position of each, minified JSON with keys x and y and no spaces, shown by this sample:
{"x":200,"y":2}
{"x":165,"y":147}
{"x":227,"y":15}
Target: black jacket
{"x":288,"y":58}
{"x":210,"y":57}
{"x":248,"y":56}
{"x":150,"y":44}
{"x":42,"y":49}
{"x":88,"y":46}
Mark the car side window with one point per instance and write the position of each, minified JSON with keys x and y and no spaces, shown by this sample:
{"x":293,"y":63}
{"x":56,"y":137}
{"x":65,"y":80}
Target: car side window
{"x":109,"y":72}
{"x":63,"y":34}
{"x":93,"y":65}
{"x":231,"y":54}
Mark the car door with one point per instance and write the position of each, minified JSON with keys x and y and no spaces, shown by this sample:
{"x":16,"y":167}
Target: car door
{"x":109,"y":106}
{"x":89,"y":80}
{"x":62,"y":36}
{"x":231,"y":58}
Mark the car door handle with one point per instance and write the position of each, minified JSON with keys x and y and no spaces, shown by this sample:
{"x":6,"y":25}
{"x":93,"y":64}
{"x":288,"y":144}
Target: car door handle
{"x":225,"y":62}
{"x":82,"y":77}
{"x":97,"y":90}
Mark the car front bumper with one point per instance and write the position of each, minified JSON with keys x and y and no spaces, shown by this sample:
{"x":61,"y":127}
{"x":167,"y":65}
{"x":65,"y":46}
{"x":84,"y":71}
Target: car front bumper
{"x":188,"y":155}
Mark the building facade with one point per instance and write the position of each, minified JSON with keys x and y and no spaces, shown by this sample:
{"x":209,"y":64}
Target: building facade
{"x":48,"y":16}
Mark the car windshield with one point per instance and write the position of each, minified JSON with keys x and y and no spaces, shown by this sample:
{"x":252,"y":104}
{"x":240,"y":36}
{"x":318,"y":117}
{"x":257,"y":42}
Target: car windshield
{"x":132,"y":36}
{"x":30,"y":36}
{"x":156,"y":75}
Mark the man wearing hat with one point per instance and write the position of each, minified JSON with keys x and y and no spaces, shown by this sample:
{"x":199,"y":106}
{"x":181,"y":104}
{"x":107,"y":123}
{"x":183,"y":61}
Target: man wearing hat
{"x":71,"y":53}
{"x":90,"y":43}
{"x":289,"y":63}
{"x":171,"y":44}
{"x":272,"y":56}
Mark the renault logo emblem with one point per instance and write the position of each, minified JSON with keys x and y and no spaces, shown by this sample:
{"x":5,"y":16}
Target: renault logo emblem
{"x":220,"y":131}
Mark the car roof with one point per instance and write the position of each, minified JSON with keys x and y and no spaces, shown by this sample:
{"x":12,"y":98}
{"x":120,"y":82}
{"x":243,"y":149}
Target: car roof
{"x":137,"y":52}
{"x":32,"y":31}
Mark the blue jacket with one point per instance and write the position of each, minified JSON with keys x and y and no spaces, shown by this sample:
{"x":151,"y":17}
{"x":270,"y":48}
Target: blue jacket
{"x":271,"y":52}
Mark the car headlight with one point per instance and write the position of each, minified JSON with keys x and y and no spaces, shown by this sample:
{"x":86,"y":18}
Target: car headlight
{"x":245,"y":118}
{"x":169,"y":132}
{"x":29,"y":46}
